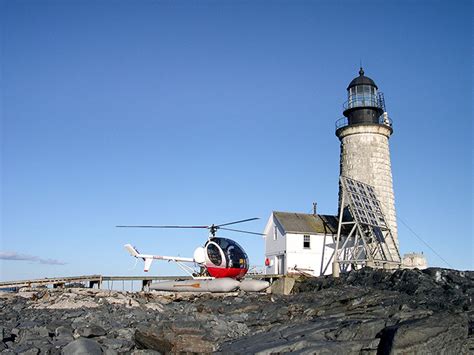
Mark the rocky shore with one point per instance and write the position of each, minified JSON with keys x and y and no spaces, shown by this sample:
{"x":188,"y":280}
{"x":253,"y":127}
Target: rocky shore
{"x":363,"y":312}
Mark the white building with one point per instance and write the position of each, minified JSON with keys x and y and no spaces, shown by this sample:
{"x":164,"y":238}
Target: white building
{"x":414,"y":261}
{"x":300,"y":243}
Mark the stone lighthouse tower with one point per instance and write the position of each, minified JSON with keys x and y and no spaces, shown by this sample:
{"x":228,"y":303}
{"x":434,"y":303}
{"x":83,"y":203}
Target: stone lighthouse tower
{"x":364,"y":133}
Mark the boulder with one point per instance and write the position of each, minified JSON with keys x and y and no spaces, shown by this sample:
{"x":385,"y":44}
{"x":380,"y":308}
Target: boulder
{"x":82,"y":346}
{"x":63,"y":331}
{"x":174,"y":337}
{"x":117,"y":345}
{"x":283,"y":286}
{"x":443,"y":333}
{"x":27,"y":336}
{"x":90,"y":331}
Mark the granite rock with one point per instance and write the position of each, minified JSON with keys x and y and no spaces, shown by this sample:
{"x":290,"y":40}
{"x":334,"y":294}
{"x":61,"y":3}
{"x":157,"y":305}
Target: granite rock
{"x":364,"y":312}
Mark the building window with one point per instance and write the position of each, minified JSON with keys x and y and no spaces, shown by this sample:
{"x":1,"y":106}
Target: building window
{"x":275,"y":233}
{"x":306,"y":242}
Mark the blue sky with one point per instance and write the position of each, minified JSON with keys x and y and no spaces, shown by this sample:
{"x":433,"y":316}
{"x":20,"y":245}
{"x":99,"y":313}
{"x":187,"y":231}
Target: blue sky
{"x":194,"y":112}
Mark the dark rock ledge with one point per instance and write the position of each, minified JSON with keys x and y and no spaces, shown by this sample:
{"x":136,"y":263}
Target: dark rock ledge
{"x":363,"y":312}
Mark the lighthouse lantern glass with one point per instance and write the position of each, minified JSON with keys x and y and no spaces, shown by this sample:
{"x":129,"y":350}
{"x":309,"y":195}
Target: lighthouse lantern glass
{"x":362,"y":95}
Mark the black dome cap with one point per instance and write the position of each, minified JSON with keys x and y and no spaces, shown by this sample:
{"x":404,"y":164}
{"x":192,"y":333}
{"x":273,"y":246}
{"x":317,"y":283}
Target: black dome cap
{"x":362,"y":80}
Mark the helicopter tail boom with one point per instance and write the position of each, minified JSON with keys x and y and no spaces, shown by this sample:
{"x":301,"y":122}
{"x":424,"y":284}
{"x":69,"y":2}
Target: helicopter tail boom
{"x":148,"y":259}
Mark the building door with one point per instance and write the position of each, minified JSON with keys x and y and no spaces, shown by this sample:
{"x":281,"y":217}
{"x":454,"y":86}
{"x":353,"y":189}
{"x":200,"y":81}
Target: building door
{"x":280,"y":264}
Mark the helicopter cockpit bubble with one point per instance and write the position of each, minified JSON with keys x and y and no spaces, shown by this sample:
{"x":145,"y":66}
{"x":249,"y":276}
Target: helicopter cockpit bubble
{"x":234,"y":254}
{"x":200,"y":255}
{"x":215,"y":254}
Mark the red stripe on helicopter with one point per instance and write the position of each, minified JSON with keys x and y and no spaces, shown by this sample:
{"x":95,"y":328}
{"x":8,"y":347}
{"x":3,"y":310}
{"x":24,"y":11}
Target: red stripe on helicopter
{"x":218,"y":272}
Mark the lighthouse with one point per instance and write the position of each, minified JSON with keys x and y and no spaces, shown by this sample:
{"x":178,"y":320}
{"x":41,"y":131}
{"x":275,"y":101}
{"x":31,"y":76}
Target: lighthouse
{"x":364,"y":134}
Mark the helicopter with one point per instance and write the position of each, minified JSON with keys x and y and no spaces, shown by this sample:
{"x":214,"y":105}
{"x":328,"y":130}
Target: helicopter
{"x":219,"y":257}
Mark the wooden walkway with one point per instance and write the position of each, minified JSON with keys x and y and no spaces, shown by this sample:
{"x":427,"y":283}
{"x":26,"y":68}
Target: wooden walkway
{"x":98,"y":280}
{"x":54,"y":281}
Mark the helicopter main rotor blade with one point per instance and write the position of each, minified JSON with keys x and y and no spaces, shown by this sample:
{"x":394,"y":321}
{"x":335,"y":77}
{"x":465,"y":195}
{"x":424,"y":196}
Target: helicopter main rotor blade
{"x":162,"y":227}
{"x":241,"y":221}
{"x":241,"y":231}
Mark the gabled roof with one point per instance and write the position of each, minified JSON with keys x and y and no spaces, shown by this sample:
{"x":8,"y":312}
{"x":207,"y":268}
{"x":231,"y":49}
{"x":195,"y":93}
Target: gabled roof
{"x":304,"y":223}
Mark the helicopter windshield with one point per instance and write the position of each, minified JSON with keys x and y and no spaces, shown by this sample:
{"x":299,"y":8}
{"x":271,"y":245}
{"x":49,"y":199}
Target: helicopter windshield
{"x":214,"y":254}
{"x":234,"y":253}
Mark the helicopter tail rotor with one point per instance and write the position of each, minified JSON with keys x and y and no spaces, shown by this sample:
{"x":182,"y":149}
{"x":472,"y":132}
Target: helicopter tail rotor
{"x":133,"y":252}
